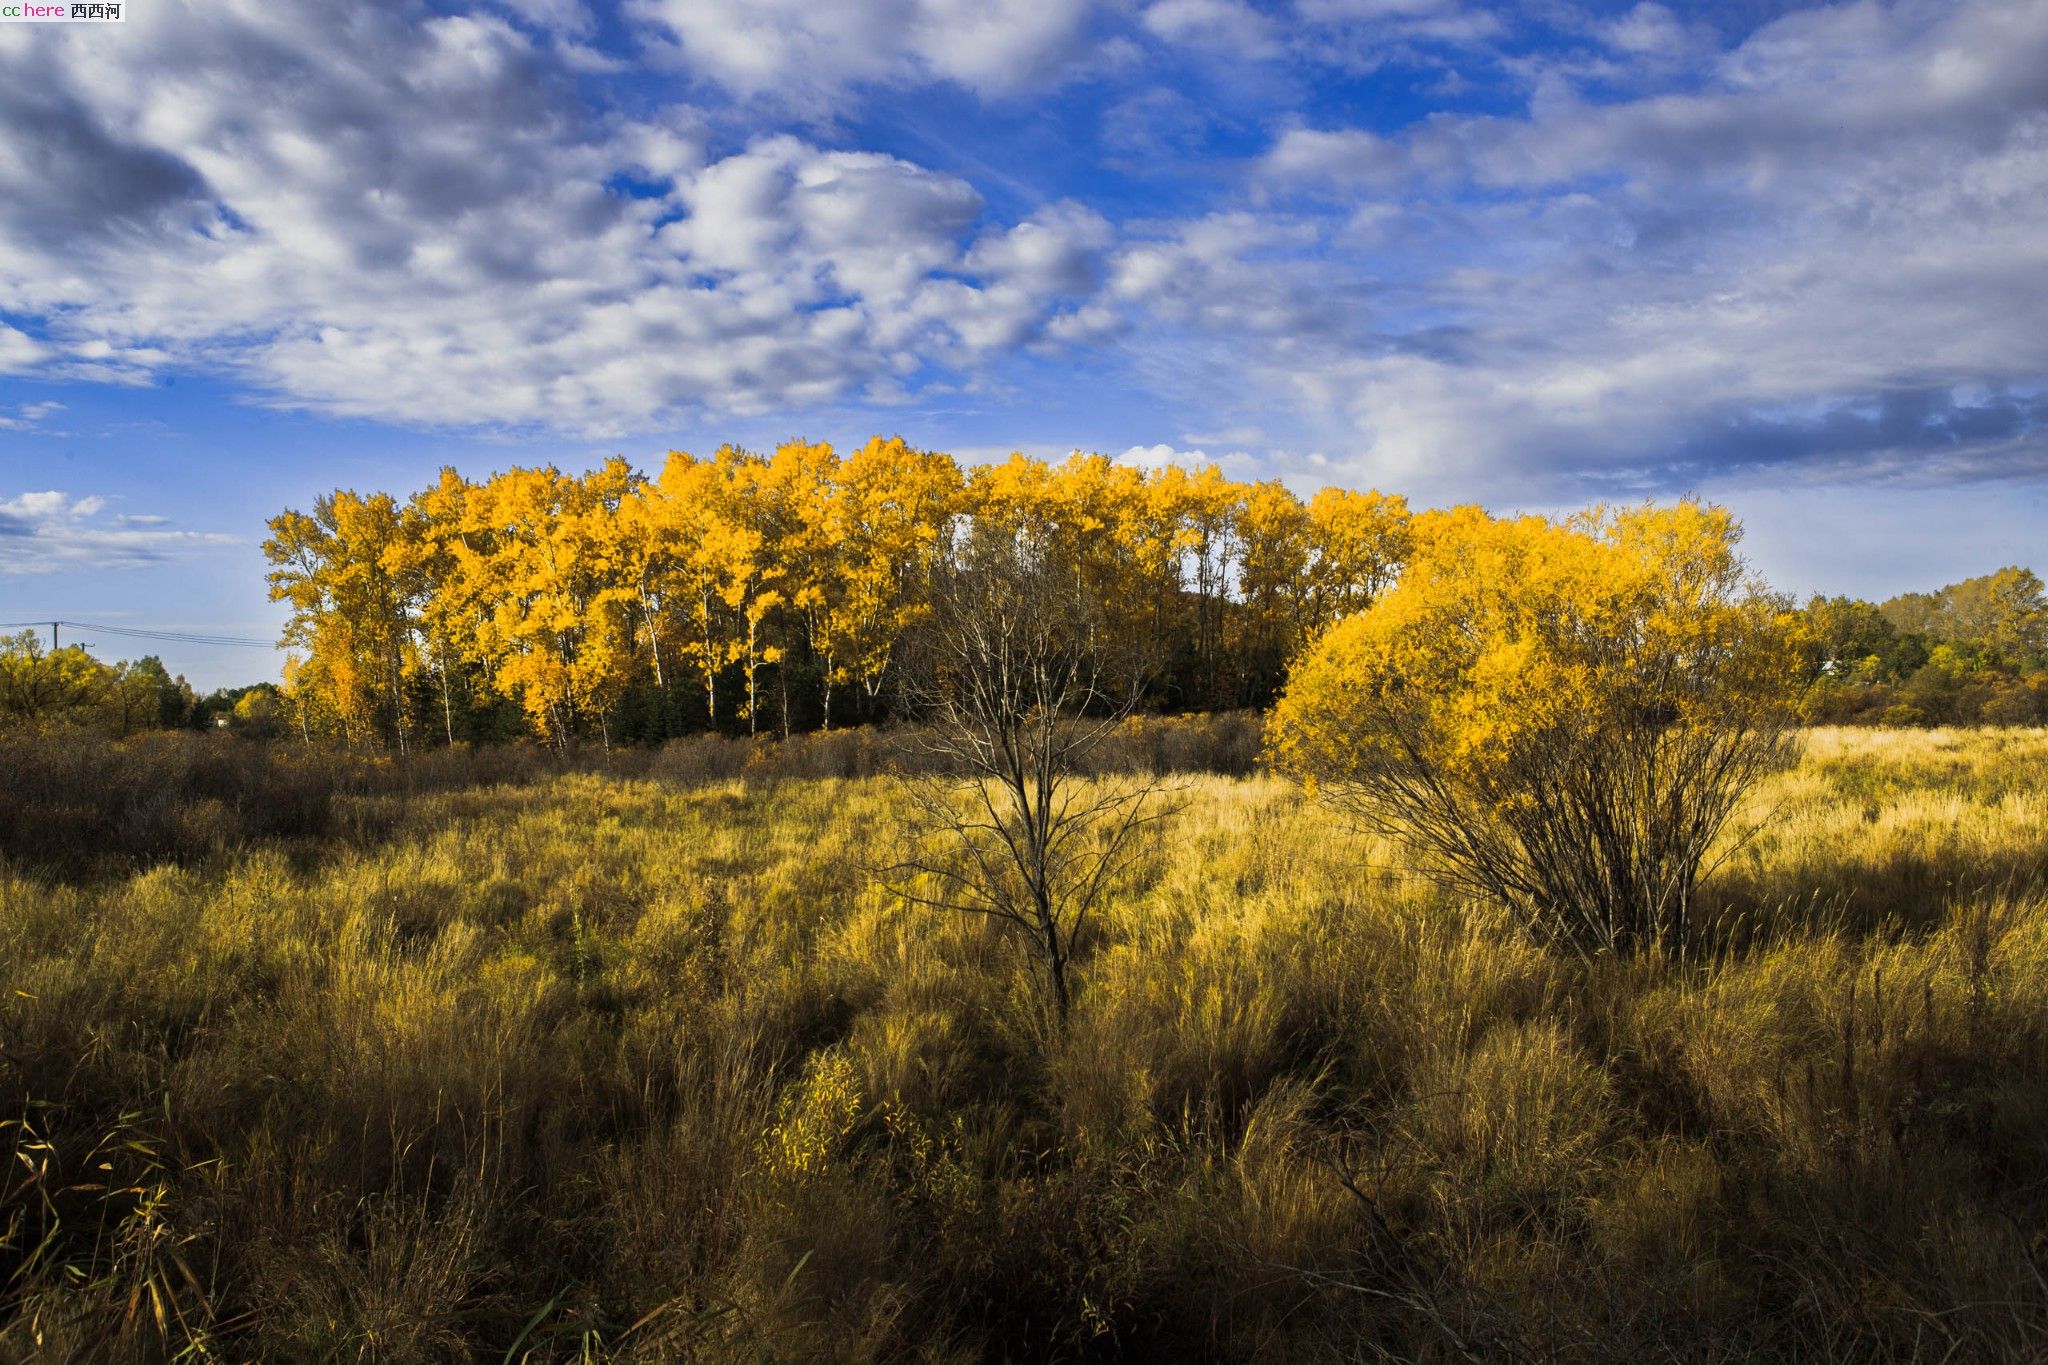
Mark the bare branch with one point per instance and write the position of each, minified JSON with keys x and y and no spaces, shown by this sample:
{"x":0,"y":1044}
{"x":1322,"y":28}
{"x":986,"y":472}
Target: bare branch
{"x":1009,"y":674}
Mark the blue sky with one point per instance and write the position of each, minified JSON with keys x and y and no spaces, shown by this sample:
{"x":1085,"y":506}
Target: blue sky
{"x":1791,"y":257}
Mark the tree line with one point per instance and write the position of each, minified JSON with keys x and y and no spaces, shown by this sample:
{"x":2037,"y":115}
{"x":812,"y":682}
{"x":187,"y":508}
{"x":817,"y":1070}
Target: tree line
{"x":748,"y":592}
{"x":1974,"y":652}
{"x":67,"y":686}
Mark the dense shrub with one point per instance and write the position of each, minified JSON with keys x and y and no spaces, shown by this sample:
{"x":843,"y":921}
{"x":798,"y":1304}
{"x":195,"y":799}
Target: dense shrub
{"x":74,"y":800}
{"x":1938,"y":693}
{"x":1557,"y":716}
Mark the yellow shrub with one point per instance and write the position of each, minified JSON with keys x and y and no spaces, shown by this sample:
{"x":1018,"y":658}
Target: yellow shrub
{"x":1557,"y":716}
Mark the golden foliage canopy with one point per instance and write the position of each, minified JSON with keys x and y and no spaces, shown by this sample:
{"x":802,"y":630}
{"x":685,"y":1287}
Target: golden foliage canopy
{"x":570,"y":595}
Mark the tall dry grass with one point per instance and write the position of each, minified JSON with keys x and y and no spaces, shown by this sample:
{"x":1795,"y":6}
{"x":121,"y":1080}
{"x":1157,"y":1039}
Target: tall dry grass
{"x":76,"y":804}
{"x":639,"y":1069}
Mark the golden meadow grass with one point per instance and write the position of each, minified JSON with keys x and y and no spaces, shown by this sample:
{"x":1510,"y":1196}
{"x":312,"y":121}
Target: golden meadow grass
{"x":613,"y":1068}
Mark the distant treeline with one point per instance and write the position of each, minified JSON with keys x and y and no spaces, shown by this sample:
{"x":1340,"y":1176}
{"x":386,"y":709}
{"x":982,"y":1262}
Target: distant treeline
{"x":1976,"y":652}
{"x":40,"y":686}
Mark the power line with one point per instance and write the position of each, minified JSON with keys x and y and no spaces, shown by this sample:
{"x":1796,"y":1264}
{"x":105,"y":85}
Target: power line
{"x":176,"y":637}
{"x":179,"y":636}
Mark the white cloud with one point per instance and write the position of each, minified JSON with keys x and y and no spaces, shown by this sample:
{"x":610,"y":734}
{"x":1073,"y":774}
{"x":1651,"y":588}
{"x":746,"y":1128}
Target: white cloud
{"x":18,"y":350}
{"x":1237,"y":463}
{"x":1057,"y":250}
{"x":1226,"y":26}
{"x":1822,"y":247}
{"x":1346,"y":158}
{"x":1649,"y":30}
{"x":1161,"y":455}
{"x":805,"y":50}
{"x":563,"y":16}
{"x":1240,"y":274}
{"x":1363,"y":34}
{"x":28,"y":416}
{"x":387,"y":214}
{"x":1827,"y":257}
{"x":48,"y":531}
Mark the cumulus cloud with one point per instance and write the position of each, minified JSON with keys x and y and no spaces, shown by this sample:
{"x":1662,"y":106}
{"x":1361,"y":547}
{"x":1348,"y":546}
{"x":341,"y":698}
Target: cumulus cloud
{"x":18,"y":350}
{"x":1649,"y":30}
{"x":1342,"y":159}
{"x":1229,"y":26}
{"x":1057,"y":250}
{"x":1829,"y":250}
{"x":805,"y":50}
{"x":1242,"y":274}
{"x":1161,"y":454}
{"x":559,"y":16}
{"x":394,"y":214}
{"x":48,"y":531}
{"x":1366,"y":34}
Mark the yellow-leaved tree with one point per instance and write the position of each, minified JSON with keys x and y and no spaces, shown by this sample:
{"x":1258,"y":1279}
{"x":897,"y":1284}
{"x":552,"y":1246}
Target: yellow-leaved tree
{"x":1205,"y":506}
{"x":742,"y":521}
{"x":1273,"y":535}
{"x":353,"y":606}
{"x":668,"y":520}
{"x":560,"y":619}
{"x":1559,"y":716}
{"x":797,"y":490}
{"x":1360,"y":539}
{"x":428,"y":558}
{"x":887,"y":519}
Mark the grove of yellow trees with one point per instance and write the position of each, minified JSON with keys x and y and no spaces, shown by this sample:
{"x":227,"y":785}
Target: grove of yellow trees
{"x":756,"y":592}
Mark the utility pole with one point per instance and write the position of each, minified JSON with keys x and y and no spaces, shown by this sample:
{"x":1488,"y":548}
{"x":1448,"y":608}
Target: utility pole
{"x":53,"y":637}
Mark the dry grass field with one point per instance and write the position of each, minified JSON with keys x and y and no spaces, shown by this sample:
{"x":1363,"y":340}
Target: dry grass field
{"x":591,"y":1067}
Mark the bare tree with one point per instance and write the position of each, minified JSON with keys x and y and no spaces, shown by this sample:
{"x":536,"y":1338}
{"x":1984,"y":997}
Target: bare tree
{"x":1012,"y":676}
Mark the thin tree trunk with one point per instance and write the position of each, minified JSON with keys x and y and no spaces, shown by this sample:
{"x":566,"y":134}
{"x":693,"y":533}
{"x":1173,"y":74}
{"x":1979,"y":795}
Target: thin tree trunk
{"x":398,"y":706}
{"x":710,"y":669}
{"x":653,"y":640}
{"x":447,"y":705}
{"x":711,"y":696}
{"x":753,"y":662}
{"x":1056,"y":963}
